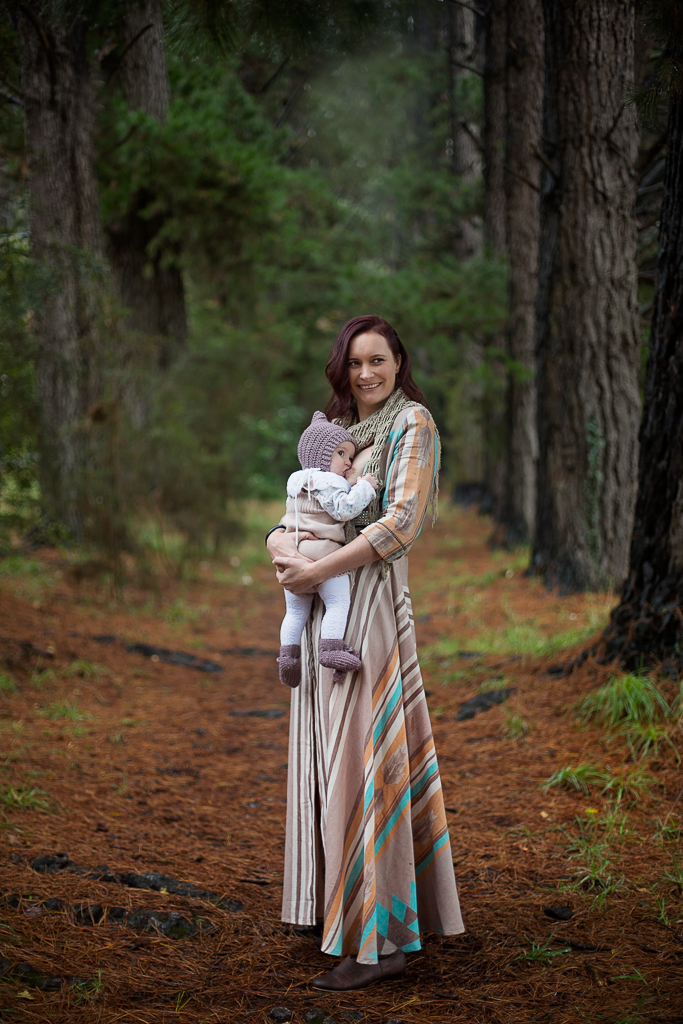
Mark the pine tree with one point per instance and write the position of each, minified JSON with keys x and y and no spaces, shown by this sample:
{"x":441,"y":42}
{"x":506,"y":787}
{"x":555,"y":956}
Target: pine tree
{"x":647,"y":625}
{"x":588,"y":343}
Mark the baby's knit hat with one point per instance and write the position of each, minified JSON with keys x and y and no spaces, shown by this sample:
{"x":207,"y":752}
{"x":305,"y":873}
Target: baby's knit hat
{"x":319,"y":442}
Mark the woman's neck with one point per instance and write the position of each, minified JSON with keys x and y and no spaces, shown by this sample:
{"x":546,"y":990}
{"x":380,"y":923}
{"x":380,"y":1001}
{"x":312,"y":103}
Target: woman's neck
{"x":365,"y":412}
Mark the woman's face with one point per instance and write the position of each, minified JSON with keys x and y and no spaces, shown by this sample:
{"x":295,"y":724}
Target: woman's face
{"x":372,"y":372}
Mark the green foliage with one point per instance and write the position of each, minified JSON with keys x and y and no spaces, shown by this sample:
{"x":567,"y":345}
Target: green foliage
{"x":584,"y":776}
{"x":86,"y":669}
{"x":636,"y":710}
{"x":7,"y":684}
{"x":541,"y":954}
{"x":580,"y":778}
{"x":629,"y":698}
{"x":88,"y":991}
{"x":589,"y":843}
{"x":645,"y":740}
{"x":514,"y":727}
{"x":63,"y":709}
{"x":675,"y":874}
{"x":315,"y":193}
{"x":23,"y":797}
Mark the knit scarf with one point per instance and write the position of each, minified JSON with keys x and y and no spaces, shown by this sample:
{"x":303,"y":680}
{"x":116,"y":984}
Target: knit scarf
{"x":375,"y":431}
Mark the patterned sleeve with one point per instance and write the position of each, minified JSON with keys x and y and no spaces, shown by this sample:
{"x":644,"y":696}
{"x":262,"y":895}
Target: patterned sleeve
{"x":345,"y":505}
{"x":409,"y":477}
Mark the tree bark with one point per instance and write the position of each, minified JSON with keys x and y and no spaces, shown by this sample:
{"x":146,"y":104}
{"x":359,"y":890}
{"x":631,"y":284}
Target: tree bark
{"x":588,"y":344}
{"x":67,"y":239}
{"x":495,"y":110}
{"x":647,"y":625}
{"x":466,"y":165}
{"x":495,"y":240}
{"x":524,"y":86}
{"x":150,"y":286}
{"x":466,"y":158}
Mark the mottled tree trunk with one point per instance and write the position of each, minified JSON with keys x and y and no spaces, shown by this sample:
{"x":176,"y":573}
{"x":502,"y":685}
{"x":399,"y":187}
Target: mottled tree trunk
{"x":588,"y":344}
{"x":67,"y":239}
{"x":495,"y":235}
{"x":466,"y":158}
{"x":150,"y":286}
{"x":495,"y":110}
{"x":467,"y":235}
{"x":647,"y":626}
{"x":524,"y":85}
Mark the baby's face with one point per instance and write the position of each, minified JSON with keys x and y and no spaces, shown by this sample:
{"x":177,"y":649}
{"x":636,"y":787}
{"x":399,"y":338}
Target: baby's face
{"x":340,"y":463}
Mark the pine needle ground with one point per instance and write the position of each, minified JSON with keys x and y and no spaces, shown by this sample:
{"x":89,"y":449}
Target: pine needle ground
{"x":135,"y":765}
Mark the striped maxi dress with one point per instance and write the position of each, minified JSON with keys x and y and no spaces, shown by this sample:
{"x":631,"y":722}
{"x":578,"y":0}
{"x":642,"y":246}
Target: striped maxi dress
{"x":367,"y":848}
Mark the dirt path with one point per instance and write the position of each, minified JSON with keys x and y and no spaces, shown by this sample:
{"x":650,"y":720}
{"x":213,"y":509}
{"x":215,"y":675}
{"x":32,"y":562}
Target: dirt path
{"x":150,"y":767}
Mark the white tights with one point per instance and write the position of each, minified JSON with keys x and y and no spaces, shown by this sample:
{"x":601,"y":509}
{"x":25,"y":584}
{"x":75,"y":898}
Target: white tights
{"x":336,"y":595}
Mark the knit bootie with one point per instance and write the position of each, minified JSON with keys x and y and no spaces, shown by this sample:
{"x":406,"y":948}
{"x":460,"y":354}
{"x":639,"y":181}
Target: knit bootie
{"x":337,"y":655}
{"x":289,"y":664}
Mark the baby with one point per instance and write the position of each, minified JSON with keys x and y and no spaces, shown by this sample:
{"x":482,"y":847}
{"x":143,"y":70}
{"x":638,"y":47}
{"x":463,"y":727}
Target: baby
{"x":319,"y":501}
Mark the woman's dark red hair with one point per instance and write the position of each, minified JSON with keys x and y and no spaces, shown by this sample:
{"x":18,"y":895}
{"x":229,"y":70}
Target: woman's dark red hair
{"x":337,"y":369}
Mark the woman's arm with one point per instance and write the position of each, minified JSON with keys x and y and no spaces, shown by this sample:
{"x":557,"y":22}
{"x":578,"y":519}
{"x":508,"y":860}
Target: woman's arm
{"x":283,"y":545}
{"x":300,"y":575}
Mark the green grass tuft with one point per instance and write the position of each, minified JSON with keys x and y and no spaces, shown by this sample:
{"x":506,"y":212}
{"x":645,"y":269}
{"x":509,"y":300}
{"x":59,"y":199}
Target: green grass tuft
{"x":7,"y":684}
{"x":514,"y":727}
{"x":63,"y":709}
{"x":645,"y":740}
{"x":540,"y":953}
{"x":21,"y":797}
{"x":583,"y":776}
{"x":631,"y":698}
{"x":86,"y":669}
{"x":580,"y":778}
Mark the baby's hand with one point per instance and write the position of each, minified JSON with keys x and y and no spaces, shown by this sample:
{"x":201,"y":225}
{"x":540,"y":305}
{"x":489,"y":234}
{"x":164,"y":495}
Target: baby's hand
{"x":352,"y":476}
{"x":372,"y":480}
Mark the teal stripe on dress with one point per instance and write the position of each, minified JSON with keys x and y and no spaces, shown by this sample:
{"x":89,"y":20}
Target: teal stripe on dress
{"x":431,"y":770}
{"x":386,"y":714}
{"x":369,"y":928}
{"x":353,"y":876}
{"x":424,"y":864}
{"x":384,"y":834}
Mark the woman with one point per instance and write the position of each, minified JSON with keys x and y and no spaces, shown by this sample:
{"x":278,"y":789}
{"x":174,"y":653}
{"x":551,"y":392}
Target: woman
{"x":367,"y":850}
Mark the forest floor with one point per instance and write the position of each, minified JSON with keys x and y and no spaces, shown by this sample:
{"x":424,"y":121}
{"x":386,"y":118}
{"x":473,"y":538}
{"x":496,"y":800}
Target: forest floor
{"x":129,"y":775}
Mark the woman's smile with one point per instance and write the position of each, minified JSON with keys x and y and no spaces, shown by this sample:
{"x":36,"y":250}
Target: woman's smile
{"x":372,"y":372}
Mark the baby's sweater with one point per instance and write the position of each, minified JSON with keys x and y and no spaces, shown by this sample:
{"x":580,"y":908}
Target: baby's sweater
{"x":334,"y":493}
{"x":319,"y":503}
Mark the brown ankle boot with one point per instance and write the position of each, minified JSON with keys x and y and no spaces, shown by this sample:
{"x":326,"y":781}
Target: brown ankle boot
{"x":289,"y":664}
{"x":350,"y":975}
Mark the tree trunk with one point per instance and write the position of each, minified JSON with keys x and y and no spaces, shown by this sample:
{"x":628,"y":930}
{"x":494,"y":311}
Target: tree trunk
{"x":524,"y":84}
{"x":466,"y":158}
{"x":495,"y":239}
{"x":495,"y":110}
{"x":150,"y":289}
{"x":467,"y":235}
{"x":647,"y":626}
{"x":67,"y":239}
{"x":588,"y":344}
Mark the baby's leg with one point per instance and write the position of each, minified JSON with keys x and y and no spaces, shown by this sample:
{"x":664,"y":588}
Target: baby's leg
{"x":289,"y":662}
{"x":336,"y":594}
{"x":332,"y":651}
{"x":296,"y":617}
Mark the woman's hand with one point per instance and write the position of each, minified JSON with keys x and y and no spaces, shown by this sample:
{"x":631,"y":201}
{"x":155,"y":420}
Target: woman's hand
{"x":297,"y":574}
{"x":282,"y":545}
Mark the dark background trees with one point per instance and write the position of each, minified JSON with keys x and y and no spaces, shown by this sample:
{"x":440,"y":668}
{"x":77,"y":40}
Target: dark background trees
{"x":196,"y":195}
{"x":647,"y":625}
{"x":259,"y":175}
